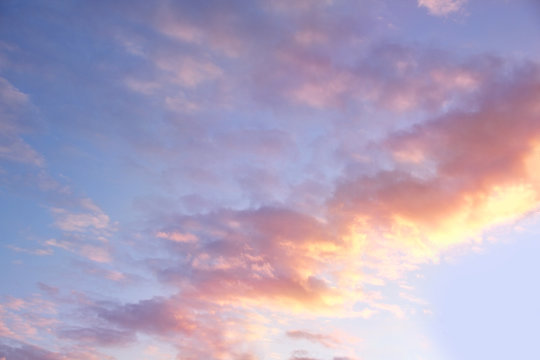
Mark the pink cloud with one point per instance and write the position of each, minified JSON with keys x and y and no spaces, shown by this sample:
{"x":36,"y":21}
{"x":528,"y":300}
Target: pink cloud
{"x":322,"y":339}
{"x":268,"y":253}
{"x":93,"y":217}
{"x":27,"y":319}
{"x":176,"y":236}
{"x":156,"y":316}
{"x":475,"y":169}
{"x":86,"y":229}
{"x":315,"y":219}
{"x":442,"y":7}
{"x":197,"y":329}
{"x":97,"y":336}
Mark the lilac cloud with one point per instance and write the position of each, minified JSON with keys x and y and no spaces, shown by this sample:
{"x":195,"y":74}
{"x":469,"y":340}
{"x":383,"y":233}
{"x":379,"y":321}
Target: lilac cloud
{"x":442,"y":7}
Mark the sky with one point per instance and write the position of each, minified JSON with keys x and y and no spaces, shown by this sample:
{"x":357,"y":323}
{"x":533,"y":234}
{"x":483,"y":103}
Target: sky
{"x":280,"y":180}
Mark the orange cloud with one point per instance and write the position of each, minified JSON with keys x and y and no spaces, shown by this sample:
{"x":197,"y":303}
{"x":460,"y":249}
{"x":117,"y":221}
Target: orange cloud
{"x":465,"y":172}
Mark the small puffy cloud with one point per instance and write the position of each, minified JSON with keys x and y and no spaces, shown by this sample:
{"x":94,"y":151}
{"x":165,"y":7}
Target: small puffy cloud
{"x":99,"y":269}
{"x":301,"y":355}
{"x":322,"y":339}
{"x":442,"y":7}
{"x":177,"y":236}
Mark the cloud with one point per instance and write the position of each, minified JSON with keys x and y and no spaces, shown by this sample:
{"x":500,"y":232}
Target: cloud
{"x":189,"y":72}
{"x":394,"y":219}
{"x":48,"y":289}
{"x":97,"y":336}
{"x":23,"y":351}
{"x":92,"y":218}
{"x":17,"y":150}
{"x":176,"y":236}
{"x":27,"y":352}
{"x":15,"y":109}
{"x":476,"y":170}
{"x":103,"y":270}
{"x":302,"y":163}
{"x":155,"y":316}
{"x":39,"y":252}
{"x":264,"y":255}
{"x":322,"y":339}
{"x":442,"y":7}
{"x":384,"y":223}
{"x":301,"y":355}
{"x":198,"y":329}
{"x":86,"y":229}
{"x":25,"y":319}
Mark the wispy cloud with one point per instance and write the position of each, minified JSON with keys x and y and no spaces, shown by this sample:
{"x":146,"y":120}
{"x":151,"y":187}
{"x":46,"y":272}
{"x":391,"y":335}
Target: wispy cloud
{"x":14,"y":108}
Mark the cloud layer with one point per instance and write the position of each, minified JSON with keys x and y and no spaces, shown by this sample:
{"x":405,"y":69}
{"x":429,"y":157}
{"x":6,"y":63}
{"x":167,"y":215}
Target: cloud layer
{"x":233,"y":180}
